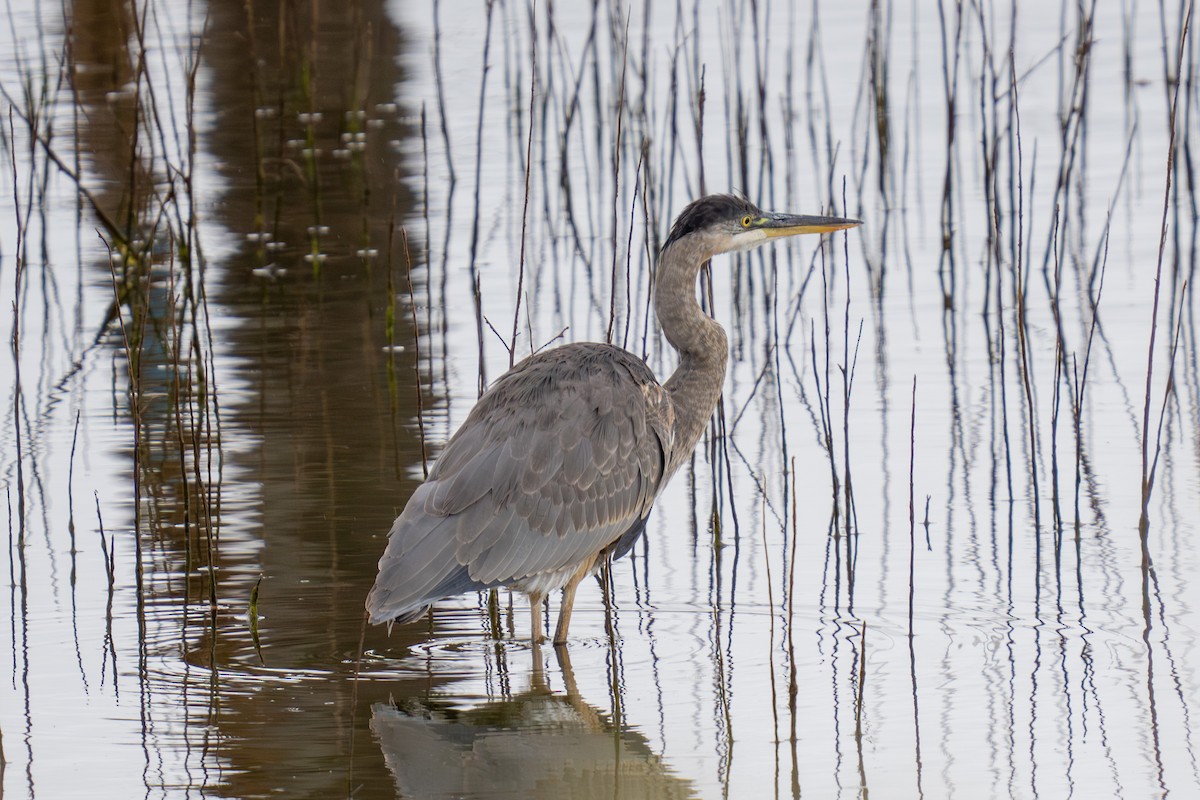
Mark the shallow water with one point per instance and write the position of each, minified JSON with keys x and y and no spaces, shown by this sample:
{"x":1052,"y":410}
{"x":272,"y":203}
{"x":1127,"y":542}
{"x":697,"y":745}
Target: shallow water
{"x":198,"y":490}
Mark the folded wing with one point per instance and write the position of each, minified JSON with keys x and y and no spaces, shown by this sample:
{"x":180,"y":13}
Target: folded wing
{"x":558,"y":460}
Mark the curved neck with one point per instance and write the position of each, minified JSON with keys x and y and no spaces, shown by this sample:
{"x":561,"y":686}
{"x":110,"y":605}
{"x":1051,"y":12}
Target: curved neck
{"x":695,"y":386}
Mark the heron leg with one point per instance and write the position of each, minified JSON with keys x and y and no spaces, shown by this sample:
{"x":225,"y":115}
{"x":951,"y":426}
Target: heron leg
{"x":568,"y":601}
{"x":536,"y":636}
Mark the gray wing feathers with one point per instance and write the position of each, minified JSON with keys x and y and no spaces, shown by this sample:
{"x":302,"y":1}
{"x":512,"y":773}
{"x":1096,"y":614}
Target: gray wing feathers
{"x":416,"y":566}
{"x":557,"y":460}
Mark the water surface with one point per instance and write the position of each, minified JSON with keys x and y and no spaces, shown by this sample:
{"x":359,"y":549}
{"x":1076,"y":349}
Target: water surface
{"x":321,"y":227}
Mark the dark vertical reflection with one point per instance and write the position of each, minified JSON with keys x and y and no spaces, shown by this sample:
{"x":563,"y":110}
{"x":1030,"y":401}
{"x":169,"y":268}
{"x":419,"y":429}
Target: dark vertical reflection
{"x":304,"y":137}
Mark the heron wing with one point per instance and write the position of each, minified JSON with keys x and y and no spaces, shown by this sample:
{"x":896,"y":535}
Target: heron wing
{"x":559,"y":459}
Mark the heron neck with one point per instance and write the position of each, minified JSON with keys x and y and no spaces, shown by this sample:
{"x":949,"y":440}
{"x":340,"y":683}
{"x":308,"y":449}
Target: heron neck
{"x":695,"y":386}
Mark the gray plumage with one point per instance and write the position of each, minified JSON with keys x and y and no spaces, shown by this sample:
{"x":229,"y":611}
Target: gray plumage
{"x":556,"y":467}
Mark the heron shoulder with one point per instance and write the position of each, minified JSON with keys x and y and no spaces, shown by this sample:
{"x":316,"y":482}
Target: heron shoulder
{"x":574,"y":382}
{"x":594,"y":363}
{"x":579,"y":421}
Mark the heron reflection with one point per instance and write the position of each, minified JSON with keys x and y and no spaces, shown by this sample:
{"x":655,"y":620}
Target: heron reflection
{"x":538,"y":744}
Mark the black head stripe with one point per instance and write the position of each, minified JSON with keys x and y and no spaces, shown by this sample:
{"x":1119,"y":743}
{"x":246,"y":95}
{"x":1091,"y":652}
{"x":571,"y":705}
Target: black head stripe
{"x":708,"y":211}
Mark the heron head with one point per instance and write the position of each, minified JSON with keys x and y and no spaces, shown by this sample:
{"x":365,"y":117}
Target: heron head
{"x":722,"y":223}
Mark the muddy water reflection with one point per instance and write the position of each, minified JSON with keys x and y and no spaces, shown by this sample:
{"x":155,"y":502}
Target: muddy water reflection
{"x":308,"y":143}
{"x":251,"y":423}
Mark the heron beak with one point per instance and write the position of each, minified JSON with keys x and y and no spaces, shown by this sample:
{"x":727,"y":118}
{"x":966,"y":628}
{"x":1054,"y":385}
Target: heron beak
{"x":779,"y":225}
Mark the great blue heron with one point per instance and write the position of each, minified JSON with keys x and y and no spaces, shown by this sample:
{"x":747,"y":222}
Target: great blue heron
{"x":556,"y":467}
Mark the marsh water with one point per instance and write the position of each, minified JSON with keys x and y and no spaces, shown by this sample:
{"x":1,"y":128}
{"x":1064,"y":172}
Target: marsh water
{"x":259,"y":258}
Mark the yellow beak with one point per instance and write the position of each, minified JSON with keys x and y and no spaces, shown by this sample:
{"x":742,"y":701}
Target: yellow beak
{"x":778,"y":225}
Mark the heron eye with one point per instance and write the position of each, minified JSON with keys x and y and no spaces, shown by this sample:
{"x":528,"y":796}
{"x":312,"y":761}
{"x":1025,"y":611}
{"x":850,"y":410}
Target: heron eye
{"x":746,"y":221}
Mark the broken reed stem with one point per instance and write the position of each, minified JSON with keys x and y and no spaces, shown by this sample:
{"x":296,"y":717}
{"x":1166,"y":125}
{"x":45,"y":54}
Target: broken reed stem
{"x":133,"y":361}
{"x":848,"y":368}
{"x":862,"y":680}
{"x":70,"y":492}
{"x":771,"y":620}
{"x":1024,"y":356}
{"x":637,"y":189}
{"x":1055,"y":407}
{"x":1147,"y":469}
{"x":15,"y":342}
{"x":823,"y":403}
{"x":912,"y":528}
{"x":474,"y":250}
{"x":441,"y":93}
{"x":180,"y":444}
{"x":1081,"y":378}
{"x":412,"y":305}
{"x":950,"y":76}
{"x":512,"y":352}
{"x":793,"y":678}
{"x":1168,"y":390}
{"x":616,"y":203}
